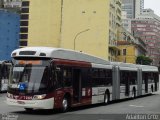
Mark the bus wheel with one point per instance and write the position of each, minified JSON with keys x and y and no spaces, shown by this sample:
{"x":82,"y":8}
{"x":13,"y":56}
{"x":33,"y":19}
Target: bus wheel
{"x":65,"y":104}
{"x":106,"y":98}
{"x":133,"y":93}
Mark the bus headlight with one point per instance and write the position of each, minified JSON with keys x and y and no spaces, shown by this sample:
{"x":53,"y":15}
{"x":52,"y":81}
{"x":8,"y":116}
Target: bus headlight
{"x":39,"y":97}
{"x":9,"y":95}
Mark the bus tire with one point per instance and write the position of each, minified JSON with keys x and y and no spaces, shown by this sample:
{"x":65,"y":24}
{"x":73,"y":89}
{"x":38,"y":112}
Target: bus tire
{"x":106,"y":97}
{"x":133,"y":93}
{"x":65,"y":104}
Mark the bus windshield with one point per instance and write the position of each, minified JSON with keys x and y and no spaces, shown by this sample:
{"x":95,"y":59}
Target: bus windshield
{"x":30,"y":77}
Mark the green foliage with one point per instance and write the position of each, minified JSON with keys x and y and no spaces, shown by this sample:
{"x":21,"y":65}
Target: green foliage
{"x":143,"y":60}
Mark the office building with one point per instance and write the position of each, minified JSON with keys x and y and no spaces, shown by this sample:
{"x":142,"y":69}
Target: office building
{"x":9,"y":33}
{"x":147,"y":27}
{"x":132,"y":7}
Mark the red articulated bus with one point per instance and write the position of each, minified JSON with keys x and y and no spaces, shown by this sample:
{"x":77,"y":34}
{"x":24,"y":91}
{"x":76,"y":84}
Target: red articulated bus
{"x":47,"y":78}
{"x":55,"y":78}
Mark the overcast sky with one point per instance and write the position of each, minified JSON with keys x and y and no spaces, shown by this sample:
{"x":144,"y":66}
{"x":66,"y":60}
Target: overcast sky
{"x":153,"y":4}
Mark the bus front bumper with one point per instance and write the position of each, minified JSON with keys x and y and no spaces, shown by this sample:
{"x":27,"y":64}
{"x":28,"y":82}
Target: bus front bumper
{"x":35,"y":104}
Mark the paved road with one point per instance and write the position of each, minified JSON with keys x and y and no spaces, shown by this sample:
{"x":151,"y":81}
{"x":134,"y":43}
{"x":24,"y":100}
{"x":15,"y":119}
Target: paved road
{"x":122,"y":110}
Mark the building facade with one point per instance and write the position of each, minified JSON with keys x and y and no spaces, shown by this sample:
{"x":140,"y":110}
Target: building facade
{"x":127,"y":52}
{"x":1,"y":3}
{"x":9,"y":33}
{"x":115,"y":23}
{"x":130,"y":47}
{"x":132,"y":7}
{"x":81,"y":25}
{"x":147,"y":27}
{"x":139,"y":6}
{"x":12,"y":3}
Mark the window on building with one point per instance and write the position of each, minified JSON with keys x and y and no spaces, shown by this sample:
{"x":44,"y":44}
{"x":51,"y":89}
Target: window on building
{"x":24,"y":30}
{"x":24,"y":17}
{"x":25,"y":10}
{"x":23,"y":43}
{"x":23,"y":36}
{"x":119,"y":53}
{"x":24,"y":23}
{"x":25,"y":3}
{"x":124,"y":51}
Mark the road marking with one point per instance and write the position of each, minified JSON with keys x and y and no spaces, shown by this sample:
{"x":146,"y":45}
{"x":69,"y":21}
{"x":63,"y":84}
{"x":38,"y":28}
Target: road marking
{"x":135,"y":106}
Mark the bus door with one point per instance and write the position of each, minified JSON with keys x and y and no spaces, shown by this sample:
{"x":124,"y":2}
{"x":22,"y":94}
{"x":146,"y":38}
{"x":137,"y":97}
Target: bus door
{"x":127,"y":85}
{"x":77,"y":88}
{"x":146,"y":82}
{"x":124,"y":81}
{"x":156,"y":75}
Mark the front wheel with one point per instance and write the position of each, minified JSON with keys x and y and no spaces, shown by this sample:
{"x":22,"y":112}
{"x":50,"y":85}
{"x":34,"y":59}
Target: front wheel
{"x":65,"y":104}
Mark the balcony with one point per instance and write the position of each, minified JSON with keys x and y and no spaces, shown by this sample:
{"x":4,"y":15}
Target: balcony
{"x":113,"y":45}
{"x":119,"y":2}
{"x":12,"y":4}
{"x":118,"y":21}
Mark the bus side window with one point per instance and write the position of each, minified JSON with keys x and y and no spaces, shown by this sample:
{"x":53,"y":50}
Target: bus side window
{"x":58,"y":79}
{"x":108,"y":77}
{"x":122,"y":78}
{"x":67,"y":76}
{"x":86,"y":77}
{"x":95,"y":80}
{"x":133,"y":78}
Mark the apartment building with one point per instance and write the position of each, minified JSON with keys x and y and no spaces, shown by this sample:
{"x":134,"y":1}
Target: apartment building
{"x":147,"y":27}
{"x":130,"y":47}
{"x":81,"y":25}
{"x":115,"y":23}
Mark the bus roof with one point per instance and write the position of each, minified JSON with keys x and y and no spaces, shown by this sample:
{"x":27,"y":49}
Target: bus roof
{"x":130,"y":66}
{"x":1,"y":62}
{"x":148,"y":68}
{"x":60,"y":53}
{"x":125,"y":66}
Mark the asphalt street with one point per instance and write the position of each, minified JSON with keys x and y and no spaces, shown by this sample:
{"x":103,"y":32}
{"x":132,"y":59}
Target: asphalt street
{"x":146,"y":107}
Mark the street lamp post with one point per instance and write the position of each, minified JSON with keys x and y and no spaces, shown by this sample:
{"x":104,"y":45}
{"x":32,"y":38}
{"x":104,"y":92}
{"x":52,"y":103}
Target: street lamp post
{"x":78,"y":35}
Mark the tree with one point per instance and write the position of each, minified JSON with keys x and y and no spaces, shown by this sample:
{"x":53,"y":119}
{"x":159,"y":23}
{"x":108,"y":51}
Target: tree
{"x":143,"y":60}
